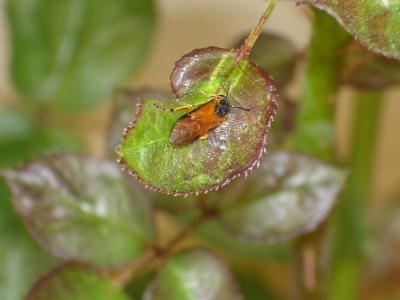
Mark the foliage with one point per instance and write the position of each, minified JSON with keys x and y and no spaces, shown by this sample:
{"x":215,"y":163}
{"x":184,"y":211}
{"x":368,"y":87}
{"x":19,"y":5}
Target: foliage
{"x":103,"y":232}
{"x":78,"y":50}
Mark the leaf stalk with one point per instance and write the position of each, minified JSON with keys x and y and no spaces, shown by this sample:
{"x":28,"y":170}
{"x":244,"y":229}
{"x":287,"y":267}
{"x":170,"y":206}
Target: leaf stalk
{"x":248,"y":44}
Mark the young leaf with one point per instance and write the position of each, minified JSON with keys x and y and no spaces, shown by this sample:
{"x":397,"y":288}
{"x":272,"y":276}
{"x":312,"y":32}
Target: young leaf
{"x":75,"y":281}
{"x":78,"y":50}
{"x":191,"y":276}
{"x":374,"y":23}
{"x":289,"y":195}
{"x":232,"y":149}
{"x":124,"y":107}
{"x":21,"y":259}
{"x":81,"y":208}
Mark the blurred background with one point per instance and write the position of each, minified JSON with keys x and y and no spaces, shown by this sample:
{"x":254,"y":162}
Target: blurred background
{"x":185,"y":25}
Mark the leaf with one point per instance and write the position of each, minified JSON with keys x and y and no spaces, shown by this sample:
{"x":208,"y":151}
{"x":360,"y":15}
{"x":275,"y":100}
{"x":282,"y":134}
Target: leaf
{"x":22,"y":138}
{"x":368,"y":71}
{"x":276,"y":54}
{"x":21,"y":259}
{"x":16,"y":130}
{"x":139,"y":281}
{"x":289,"y":195}
{"x":124,"y":107}
{"x":81,"y":208}
{"x":374,"y":23}
{"x":75,"y":281}
{"x":79,"y":50}
{"x":254,"y":288}
{"x":233,"y":148}
{"x":191,"y":276}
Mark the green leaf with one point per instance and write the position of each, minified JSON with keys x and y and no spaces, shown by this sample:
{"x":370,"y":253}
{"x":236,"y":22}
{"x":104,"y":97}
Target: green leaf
{"x":276,"y":54}
{"x":124,"y":107}
{"x":73,"y":281}
{"x":191,"y":276}
{"x":139,"y":281}
{"x":289,"y":195}
{"x":233,"y":148}
{"x":365,"y":70}
{"x":72,"y":53}
{"x":16,"y":131}
{"x":22,"y":138}
{"x":253,"y":287}
{"x":81,"y":208}
{"x":374,"y":23}
{"x":21,"y":259}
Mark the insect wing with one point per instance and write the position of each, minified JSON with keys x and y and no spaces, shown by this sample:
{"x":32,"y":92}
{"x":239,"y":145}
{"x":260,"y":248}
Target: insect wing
{"x":195,"y":124}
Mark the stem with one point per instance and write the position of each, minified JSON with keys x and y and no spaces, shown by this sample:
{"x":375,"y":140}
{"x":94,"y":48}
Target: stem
{"x":121,"y":276}
{"x":349,"y":220}
{"x":315,"y":135}
{"x":315,"y":122}
{"x":248,"y":44}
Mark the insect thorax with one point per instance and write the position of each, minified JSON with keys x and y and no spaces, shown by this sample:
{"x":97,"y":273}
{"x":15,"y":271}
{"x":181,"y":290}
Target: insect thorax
{"x":223,"y":106}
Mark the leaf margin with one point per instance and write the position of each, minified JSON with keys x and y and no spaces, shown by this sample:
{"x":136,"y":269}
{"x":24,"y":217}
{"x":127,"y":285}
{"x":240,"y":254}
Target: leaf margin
{"x":245,"y":171}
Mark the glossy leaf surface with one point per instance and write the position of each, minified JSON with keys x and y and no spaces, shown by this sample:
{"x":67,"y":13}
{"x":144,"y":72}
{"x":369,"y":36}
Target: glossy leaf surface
{"x":81,"y":208}
{"x":375,"y":23}
{"x":124,"y":108}
{"x":72,"y":53}
{"x":191,"y":276}
{"x":290,"y":194}
{"x":232,"y":149}
{"x":73,"y":281}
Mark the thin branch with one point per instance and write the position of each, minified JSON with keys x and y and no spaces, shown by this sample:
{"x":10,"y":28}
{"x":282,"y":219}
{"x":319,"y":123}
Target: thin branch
{"x":255,"y":32}
{"x":121,"y":276}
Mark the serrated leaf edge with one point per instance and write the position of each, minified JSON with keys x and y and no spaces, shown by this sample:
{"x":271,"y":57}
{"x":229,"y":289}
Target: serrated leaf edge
{"x":245,"y":171}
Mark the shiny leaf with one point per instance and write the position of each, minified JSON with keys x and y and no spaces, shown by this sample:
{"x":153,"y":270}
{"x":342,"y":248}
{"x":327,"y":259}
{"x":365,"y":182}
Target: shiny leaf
{"x":81,"y":208}
{"x":72,"y":53}
{"x":232,"y":149}
{"x":375,"y":23}
{"x":124,"y":107}
{"x":74,"y":281}
{"x":193,"y":275}
{"x":290,"y":194}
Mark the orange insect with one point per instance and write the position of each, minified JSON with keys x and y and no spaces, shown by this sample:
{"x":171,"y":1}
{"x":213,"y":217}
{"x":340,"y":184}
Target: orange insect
{"x":199,"y":121}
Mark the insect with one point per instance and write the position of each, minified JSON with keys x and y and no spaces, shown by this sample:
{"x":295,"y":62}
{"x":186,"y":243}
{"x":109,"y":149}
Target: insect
{"x":200,"y":120}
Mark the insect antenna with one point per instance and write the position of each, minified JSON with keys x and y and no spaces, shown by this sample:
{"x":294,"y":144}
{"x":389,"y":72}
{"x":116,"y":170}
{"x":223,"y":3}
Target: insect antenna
{"x":242,"y":108}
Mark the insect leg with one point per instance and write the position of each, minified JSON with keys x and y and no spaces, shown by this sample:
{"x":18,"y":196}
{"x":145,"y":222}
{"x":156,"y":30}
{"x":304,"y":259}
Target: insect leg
{"x":204,"y":137}
{"x":188,"y":107}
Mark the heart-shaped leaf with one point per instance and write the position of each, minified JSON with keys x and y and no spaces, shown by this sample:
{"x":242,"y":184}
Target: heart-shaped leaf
{"x":72,"y":53}
{"x":368,"y":71}
{"x":191,"y":276}
{"x":75,"y":281}
{"x":81,"y":208}
{"x":21,"y":259}
{"x":232,"y":149}
{"x":374,"y":23}
{"x":289,"y":194}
